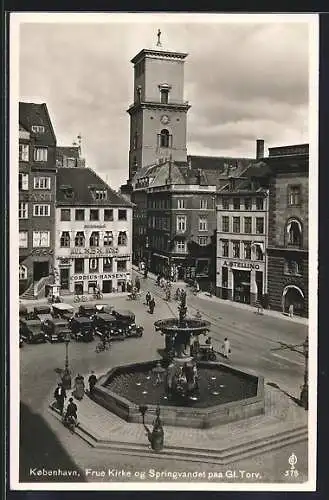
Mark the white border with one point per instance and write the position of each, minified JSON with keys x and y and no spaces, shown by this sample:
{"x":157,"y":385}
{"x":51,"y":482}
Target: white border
{"x":162,"y":18}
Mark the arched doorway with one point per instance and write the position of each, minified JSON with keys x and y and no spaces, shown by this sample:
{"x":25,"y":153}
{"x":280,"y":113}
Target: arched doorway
{"x":292,"y":294}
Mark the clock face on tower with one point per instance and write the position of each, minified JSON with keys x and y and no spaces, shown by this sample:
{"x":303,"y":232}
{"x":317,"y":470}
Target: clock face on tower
{"x":165,"y":119}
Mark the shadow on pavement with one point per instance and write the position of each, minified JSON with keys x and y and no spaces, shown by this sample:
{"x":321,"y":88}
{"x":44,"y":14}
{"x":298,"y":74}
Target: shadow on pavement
{"x":40,"y":449}
{"x":295,"y":400}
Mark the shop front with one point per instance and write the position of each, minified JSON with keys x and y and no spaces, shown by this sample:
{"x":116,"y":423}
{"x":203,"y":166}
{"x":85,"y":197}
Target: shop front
{"x":242,"y":281}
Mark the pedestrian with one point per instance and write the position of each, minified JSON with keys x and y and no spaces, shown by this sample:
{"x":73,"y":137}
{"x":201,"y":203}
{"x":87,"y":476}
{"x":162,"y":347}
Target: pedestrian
{"x":60,"y":395}
{"x":291,"y":311}
{"x":259,"y":307}
{"x":148,"y":298}
{"x":145,"y":272}
{"x":92,"y":382}
{"x":79,"y":387}
{"x":71,"y":411}
{"x":137,"y":284}
{"x":151,"y":305}
{"x":226,"y":348}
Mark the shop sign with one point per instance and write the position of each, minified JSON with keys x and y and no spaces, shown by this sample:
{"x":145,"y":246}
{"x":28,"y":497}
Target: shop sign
{"x":94,"y":252}
{"x":42,"y":251}
{"x":241,"y":265}
{"x":94,"y":226}
{"x":41,"y":197}
{"x":81,"y":277}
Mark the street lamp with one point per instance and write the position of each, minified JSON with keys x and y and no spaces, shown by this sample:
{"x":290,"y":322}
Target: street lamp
{"x":66,"y":377}
{"x":304,"y":391}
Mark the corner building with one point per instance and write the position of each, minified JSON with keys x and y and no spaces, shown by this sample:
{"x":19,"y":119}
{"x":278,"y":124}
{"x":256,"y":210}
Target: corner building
{"x":288,"y":228}
{"x":37,"y":188}
{"x":93,"y":234}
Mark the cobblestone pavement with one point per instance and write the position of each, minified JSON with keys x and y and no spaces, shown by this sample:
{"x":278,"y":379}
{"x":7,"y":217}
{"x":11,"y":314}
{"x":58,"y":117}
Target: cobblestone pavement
{"x":252,"y":338}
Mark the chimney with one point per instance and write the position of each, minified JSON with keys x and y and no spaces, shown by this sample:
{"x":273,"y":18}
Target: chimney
{"x":189,"y":163}
{"x":260,"y":149}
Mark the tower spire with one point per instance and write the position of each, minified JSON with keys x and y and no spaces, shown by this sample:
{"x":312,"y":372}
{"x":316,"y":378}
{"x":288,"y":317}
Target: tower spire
{"x":159,"y":41}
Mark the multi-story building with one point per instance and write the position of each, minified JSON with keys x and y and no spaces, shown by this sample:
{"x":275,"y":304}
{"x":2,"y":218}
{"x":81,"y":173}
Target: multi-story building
{"x":288,"y":228}
{"x":93,"y":243}
{"x":69,"y":156}
{"x":242,"y":230}
{"x":37,"y":188}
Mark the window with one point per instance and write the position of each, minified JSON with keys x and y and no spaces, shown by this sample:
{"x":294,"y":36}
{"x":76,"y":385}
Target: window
{"x":108,"y":214}
{"x":93,"y":265}
{"x":259,"y":251}
{"x":107,"y":264}
{"x":122,"y":214}
{"x":65,"y":214}
{"x":236,"y":224}
{"x":23,"y":210}
{"x":247,"y":225}
{"x":259,"y":204}
{"x":203,"y":223}
{"x":24,"y":152}
{"x":41,"y":238}
{"x":100,"y":194}
{"x":181,"y":223}
{"x":292,"y":267}
{"x":22,"y":273}
{"x":180,"y":246}
{"x":23,"y":239}
{"x":180,"y":204}
{"x":108,"y":238}
{"x":236,"y":249}
{"x":164,"y":95}
{"x":79,"y":265}
{"x":259,"y":225}
{"x":164,"y":138}
{"x":236,"y":203}
{"x":23,"y":182}
{"x":38,"y":129}
{"x":79,"y":240}
{"x":41,"y":182}
{"x":294,"y":195}
{"x":294,"y":230}
{"x":121,"y":265}
{"x":65,"y":239}
{"x":40,"y":154}
{"x":94,"y":239}
{"x":94,"y":214}
{"x":79,"y":214}
{"x":226,"y":204}
{"x":41,"y":210}
{"x":225,"y":224}
{"x":247,"y":203}
{"x":224,"y":277}
{"x":203,"y":240}
{"x":247,"y":249}
{"x":225,"y":248}
{"x":203,"y":204}
{"x":122,"y":238}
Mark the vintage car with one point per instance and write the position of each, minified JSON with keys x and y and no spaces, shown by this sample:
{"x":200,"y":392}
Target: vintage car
{"x":87,"y":311}
{"x":23,"y":312}
{"x":106,"y":325}
{"x":127,"y":322}
{"x":56,"y":329}
{"x":31,"y":331}
{"x":42,"y":313}
{"x":104,"y":308}
{"x":64,"y":311}
{"x":82,"y":329}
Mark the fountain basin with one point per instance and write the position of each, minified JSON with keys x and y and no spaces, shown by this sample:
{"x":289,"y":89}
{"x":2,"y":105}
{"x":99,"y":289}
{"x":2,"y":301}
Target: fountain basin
{"x":225,"y":395}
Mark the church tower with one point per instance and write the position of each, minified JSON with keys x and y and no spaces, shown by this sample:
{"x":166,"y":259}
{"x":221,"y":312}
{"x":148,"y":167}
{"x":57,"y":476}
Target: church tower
{"x":159,"y":112}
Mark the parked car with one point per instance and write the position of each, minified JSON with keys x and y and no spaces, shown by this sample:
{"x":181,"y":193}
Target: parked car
{"x":31,"y":331}
{"x":23,"y":312}
{"x":82,"y":329}
{"x":64,"y":311}
{"x":87,"y":311}
{"x":127,"y":322}
{"x":56,"y":329}
{"x":106,"y":325}
{"x":104,"y":308}
{"x":43,"y":313}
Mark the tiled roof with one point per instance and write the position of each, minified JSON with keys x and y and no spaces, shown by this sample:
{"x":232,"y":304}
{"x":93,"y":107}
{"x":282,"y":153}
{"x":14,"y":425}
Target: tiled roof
{"x":217,"y":163}
{"x":68,"y":151}
{"x":80,"y":180}
{"x":37,"y":114}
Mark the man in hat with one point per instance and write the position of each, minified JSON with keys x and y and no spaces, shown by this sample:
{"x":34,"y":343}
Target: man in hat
{"x":60,"y":395}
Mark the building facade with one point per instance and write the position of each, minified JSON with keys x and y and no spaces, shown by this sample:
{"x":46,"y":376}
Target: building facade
{"x":242,"y":237}
{"x":288,"y":228}
{"x":37,"y":189}
{"x":93,"y":245}
{"x":159,"y":113}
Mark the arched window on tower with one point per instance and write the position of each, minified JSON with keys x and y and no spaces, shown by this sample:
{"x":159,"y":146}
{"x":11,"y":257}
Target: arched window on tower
{"x":164,"y":138}
{"x":294,"y":233}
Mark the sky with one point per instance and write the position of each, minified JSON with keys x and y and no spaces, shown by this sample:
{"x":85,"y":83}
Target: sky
{"x":243,"y":81}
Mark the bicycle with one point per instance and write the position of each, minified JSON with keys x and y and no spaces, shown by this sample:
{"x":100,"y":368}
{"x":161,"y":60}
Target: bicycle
{"x":80,"y":298}
{"x":97,"y":296}
{"x":103,"y":346}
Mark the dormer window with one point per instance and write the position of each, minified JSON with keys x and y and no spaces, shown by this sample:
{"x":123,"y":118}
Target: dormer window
{"x":100,"y":194}
{"x":38,"y":129}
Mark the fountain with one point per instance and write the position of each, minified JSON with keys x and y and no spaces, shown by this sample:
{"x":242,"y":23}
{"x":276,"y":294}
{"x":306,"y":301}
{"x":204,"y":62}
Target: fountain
{"x":189,"y":392}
